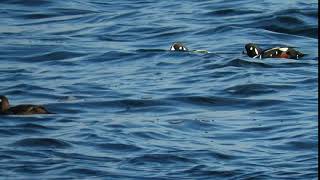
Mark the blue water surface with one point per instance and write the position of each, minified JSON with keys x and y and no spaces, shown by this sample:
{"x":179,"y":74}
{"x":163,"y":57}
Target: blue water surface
{"x":127,"y":108}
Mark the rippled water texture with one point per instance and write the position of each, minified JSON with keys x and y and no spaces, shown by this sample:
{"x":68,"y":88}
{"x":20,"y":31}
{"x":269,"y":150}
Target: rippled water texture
{"x":126,"y":108}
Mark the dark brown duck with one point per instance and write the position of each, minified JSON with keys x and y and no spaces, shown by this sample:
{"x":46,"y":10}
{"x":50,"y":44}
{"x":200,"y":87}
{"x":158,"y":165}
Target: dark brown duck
{"x":24,"y":109}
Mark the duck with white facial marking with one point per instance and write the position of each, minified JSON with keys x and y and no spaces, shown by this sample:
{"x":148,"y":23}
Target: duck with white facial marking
{"x":178,"y":46}
{"x":277,"y":52}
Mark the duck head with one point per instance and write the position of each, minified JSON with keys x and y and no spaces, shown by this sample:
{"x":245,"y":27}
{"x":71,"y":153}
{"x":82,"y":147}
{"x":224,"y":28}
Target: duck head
{"x":253,"y":50}
{"x":178,"y":47}
{"x":4,"y":104}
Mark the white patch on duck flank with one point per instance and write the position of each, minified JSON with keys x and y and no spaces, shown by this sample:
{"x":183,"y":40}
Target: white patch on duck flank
{"x":283,"y":49}
{"x":172,"y":48}
{"x":256,"y":50}
{"x":276,"y":52}
{"x":271,"y":49}
{"x":180,"y":48}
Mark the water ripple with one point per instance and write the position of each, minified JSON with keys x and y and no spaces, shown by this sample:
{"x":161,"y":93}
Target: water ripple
{"x":42,"y":142}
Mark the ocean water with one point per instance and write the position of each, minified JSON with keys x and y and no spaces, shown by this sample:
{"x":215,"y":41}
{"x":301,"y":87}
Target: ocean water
{"x":127,"y":108}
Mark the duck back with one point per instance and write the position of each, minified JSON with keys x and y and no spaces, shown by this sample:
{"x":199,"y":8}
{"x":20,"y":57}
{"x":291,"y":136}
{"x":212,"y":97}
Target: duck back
{"x":27,"y":109}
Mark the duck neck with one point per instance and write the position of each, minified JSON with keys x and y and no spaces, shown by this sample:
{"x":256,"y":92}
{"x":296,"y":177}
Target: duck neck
{"x":4,"y":104}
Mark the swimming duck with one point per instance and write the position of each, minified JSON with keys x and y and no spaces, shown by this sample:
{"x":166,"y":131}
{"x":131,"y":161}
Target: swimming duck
{"x":277,"y":52}
{"x":25,"y":109}
{"x":178,"y":46}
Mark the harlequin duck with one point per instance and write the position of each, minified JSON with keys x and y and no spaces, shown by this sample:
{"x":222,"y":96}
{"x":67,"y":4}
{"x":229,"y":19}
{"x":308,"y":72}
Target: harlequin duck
{"x":278,"y":52}
{"x":26,"y":109}
{"x":177,"y":46}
